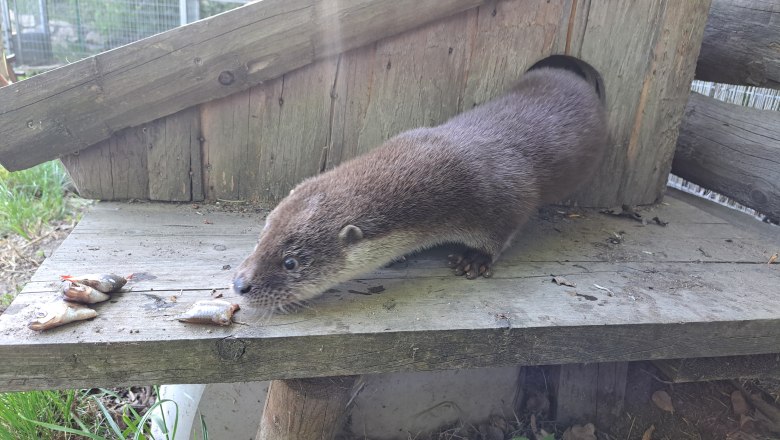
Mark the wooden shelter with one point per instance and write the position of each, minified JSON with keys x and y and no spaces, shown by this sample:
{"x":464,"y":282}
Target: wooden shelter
{"x":243,"y":105}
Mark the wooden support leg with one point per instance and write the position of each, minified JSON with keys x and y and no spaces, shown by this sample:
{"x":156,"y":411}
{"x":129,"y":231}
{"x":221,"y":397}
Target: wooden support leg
{"x":305,"y":409}
{"x":591,"y":393}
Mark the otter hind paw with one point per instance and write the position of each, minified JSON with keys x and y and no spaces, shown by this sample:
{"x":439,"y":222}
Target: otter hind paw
{"x":472,"y":264}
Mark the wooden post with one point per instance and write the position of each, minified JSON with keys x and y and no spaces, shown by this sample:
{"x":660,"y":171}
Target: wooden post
{"x":591,"y":393}
{"x":305,"y":409}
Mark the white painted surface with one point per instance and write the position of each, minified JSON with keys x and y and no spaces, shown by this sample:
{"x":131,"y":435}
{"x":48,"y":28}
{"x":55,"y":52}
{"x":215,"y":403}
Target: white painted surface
{"x":388,"y":407}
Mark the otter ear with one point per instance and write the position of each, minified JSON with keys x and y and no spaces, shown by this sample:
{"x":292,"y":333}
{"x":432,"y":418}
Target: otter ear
{"x":350,"y":234}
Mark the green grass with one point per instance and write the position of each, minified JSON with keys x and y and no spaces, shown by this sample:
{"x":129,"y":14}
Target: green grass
{"x":32,"y":198}
{"x":56,"y":415}
{"x":17,"y":408}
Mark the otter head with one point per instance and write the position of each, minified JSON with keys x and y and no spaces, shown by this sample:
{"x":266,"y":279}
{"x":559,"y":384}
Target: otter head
{"x":301,"y":253}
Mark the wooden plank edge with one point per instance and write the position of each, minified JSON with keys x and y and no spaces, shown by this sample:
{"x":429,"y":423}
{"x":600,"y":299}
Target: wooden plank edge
{"x":223,"y":357}
{"x":720,"y":368}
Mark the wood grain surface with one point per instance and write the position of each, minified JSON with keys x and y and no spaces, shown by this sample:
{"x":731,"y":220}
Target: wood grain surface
{"x":733,"y":150}
{"x":740,"y":43}
{"x":68,"y":109}
{"x":698,"y":287}
{"x":259,"y":143}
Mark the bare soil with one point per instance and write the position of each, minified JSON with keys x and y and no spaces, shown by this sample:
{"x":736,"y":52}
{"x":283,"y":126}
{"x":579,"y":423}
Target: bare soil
{"x":20,"y":258}
{"x":699,"y":411}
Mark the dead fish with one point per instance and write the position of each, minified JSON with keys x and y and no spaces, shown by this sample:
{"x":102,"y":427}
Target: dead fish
{"x":106,"y":283}
{"x":82,"y":294}
{"x":60,"y":313}
{"x":211,"y":311}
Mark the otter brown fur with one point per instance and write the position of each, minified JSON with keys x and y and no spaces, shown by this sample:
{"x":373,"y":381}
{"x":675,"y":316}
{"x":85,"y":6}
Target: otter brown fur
{"x":473,"y":180}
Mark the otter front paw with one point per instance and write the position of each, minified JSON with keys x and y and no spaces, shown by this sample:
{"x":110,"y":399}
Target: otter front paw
{"x":471,"y":263}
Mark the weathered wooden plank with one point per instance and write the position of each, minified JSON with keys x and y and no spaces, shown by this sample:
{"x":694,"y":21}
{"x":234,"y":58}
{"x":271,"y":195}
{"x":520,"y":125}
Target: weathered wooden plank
{"x":720,"y":368}
{"x":732,"y":150}
{"x":407,"y":81}
{"x":129,"y":174}
{"x":68,"y":109}
{"x":301,"y":132}
{"x":265,"y":106}
{"x":610,"y":392}
{"x":576,"y":393}
{"x":422,"y":317}
{"x":657,"y":43}
{"x":172,"y":144}
{"x":90,"y":170}
{"x":115,"y":169}
{"x":498,"y":58}
{"x":161,"y":238}
{"x":225,"y":129}
{"x":305,"y":409}
{"x":259,"y":144}
{"x":740,"y":43}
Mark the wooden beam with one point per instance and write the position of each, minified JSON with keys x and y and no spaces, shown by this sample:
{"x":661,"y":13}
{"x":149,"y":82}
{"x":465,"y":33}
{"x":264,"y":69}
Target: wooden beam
{"x":732,"y":150}
{"x":71,"y":108}
{"x":305,"y":409}
{"x":721,"y":368}
{"x":740,"y":43}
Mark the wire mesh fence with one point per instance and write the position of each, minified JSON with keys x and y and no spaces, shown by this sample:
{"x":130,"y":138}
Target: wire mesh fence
{"x":50,"y":33}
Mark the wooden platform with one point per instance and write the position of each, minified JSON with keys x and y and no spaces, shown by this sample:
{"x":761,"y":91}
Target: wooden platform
{"x":699,"y":287}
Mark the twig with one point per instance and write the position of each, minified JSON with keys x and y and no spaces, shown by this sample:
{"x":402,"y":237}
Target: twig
{"x":667,"y":382}
{"x":36,"y":240}
{"x":633,"y":419}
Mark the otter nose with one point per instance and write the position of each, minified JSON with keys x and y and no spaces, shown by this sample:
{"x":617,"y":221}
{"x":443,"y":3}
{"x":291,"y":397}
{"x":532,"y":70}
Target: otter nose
{"x":241,"y":285}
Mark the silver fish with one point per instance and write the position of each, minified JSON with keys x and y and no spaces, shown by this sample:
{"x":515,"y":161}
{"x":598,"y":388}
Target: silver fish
{"x":80,"y":293}
{"x":60,"y":313}
{"x":211,"y":311}
{"x":106,"y":282}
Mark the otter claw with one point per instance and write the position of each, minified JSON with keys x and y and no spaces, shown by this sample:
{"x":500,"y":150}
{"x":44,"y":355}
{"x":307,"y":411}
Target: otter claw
{"x":473,"y":264}
{"x":454,"y":260}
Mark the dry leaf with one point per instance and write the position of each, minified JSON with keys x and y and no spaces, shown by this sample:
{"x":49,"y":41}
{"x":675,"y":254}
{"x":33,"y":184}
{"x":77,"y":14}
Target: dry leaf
{"x":746,"y":423}
{"x":648,"y":435}
{"x":773,"y":258}
{"x":561,"y":281}
{"x":662,"y":400}
{"x":577,"y":432}
{"x":738,"y":403}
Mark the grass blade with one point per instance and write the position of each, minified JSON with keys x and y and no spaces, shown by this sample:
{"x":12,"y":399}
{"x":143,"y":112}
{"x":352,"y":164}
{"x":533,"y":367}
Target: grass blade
{"x":109,"y":418}
{"x":54,"y":427}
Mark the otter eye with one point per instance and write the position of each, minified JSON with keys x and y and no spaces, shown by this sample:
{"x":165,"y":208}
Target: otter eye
{"x":290,"y":263}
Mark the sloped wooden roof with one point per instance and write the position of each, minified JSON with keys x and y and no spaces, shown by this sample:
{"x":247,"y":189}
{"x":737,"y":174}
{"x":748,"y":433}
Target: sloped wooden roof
{"x":71,"y":108}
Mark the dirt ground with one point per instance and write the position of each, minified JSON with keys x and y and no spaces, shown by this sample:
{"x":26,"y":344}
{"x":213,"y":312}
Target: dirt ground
{"x":715,"y":410}
{"x":19,"y":258}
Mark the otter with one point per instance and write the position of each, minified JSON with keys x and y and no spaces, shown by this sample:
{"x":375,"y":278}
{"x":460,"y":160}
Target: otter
{"x":474,"y":180}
